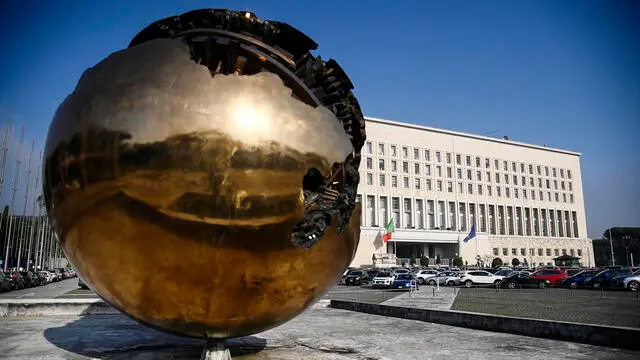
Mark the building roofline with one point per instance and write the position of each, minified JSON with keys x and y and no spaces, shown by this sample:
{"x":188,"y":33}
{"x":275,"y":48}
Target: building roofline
{"x":471,"y":136}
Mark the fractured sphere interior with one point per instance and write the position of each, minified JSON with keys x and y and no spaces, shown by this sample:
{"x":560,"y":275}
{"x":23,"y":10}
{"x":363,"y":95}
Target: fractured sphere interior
{"x":210,"y":199}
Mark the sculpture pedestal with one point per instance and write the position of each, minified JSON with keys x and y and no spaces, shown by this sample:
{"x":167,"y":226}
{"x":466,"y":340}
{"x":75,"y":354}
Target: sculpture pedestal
{"x":216,"y":349}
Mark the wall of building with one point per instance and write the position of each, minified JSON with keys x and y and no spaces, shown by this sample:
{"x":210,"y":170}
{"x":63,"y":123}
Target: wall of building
{"x":435,"y":166}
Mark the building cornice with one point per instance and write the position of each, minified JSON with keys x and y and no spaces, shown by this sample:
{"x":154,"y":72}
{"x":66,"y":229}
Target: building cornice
{"x":471,"y":136}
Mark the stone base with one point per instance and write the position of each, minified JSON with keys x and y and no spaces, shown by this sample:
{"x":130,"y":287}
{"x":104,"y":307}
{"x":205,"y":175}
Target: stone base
{"x":215,"y":349}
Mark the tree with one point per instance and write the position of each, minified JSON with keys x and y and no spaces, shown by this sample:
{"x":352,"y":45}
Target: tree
{"x":424,"y":261}
{"x":496,"y":262}
{"x":626,"y":241}
{"x":457,"y":261}
{"x":412,"y":261}
{"x":515,"y":262}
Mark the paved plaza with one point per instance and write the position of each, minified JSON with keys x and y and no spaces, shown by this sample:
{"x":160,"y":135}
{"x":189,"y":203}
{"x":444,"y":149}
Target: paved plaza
{"x":319,"y":333}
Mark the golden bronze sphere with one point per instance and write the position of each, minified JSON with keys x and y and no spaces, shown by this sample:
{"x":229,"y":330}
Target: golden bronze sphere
{"x":204,"y":179}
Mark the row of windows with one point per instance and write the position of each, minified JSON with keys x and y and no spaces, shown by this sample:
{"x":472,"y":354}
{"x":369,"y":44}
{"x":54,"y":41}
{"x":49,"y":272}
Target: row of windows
{"x":540,"y":252}
{"x":428,"y":214}
{"x":470,"y":188}
{"x":468,"y":174}
{"x":466,"y":160}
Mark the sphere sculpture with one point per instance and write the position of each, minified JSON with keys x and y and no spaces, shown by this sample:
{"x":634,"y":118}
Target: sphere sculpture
{"x":203,"y":180}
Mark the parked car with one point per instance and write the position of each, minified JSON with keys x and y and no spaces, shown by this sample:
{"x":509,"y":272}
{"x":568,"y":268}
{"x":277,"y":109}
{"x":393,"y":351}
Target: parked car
{"x":504,"y":272}
{"x":572,"y":271}
{"x":479,"y":277}
{"x":17,"y":280}
{"x":356,"y":277}
{"x":423,"y":275}
{"x":5,"y":282}
{"x":551,"y":276}
{"x":578,"y":279}
{"x":618,"y":281}
{"x":632,"y":282}
{"x":603,"y":278}
{"x":382,"y":280}
{"x":404,"y":282}
{"x":445,"y":278}
{"x":521,"y":279}
{"x":48,"y":276}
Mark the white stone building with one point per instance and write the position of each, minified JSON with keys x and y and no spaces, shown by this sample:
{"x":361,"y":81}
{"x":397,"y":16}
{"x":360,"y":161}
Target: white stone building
{"x":525,"y":200}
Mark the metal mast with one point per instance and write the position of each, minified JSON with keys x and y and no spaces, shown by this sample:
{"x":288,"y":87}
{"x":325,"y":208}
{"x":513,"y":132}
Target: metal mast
{"x":33,"y":216}
{"x":6,"y":139}
{"x":21,"y":239}
{"x":13,"y":201}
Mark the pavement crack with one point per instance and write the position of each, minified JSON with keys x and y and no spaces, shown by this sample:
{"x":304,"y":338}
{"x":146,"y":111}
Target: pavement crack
{"x":335,"y":350}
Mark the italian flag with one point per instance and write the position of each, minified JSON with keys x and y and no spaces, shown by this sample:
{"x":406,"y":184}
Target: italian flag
{"x":390,"y":228}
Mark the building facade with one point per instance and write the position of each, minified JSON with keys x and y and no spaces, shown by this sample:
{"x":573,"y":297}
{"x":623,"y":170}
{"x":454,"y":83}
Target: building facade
{"x":525,"y":200}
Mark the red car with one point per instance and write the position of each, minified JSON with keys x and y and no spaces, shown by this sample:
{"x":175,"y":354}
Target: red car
{"x":551,"y":275}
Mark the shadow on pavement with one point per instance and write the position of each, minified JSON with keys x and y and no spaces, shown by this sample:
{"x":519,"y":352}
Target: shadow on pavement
{"x":120,"y":337}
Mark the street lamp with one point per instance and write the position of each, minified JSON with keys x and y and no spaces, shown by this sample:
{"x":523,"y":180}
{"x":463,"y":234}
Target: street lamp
{"x":613,"y":261}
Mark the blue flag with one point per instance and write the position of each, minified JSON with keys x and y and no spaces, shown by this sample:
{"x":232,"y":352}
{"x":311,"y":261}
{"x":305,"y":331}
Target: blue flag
{"x":472,"y":233}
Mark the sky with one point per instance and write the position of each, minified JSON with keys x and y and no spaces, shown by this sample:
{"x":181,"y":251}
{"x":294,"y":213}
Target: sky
{"x":561,"y":73}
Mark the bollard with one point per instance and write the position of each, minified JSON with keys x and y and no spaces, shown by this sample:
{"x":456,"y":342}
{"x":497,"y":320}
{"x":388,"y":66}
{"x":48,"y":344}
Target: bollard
{"x":358,"y":295}
{"x":434,"y":291}
{"x":601,"y":293}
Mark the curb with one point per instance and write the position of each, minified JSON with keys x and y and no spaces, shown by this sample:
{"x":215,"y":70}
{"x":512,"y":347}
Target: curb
{"x":55,"y":307}
{"x":602,"y":335}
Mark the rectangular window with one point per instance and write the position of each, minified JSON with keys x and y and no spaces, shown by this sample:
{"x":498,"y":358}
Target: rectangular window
{"x":487,"y":163}
{"x":439,"y":171}
{"x":552,"y":222}
{"x":394,"y":181}
{"x":527,"y":221}
{"x":579,"y":252}
{"x":428,"y":184}
{"x":369,"y":147}
{"x":523,"y":252}
{"x":369,"y":179}
{"x":395,"y":211}
{"x":459,"y":173}
{"x":383,"y":180}
{"x":569,"y":174}
{"x":491,"y":218}
{"x":382,"y":210}
{"x":470,"y":188}
{"x":369,"y":163}
{"x":449,"y":172}
{"x":394,"y":151}
{"x":479,"y":189}
{"x":381,"y":164}
{"x":416,"y":183}
{"x":544,"y":221}
{"x":462,"y":216}
{"x":441,"y":215}
{"x":515,"y":193}
{"x":538,"y":170}
{"x":452,"y":216}
{"x":420,"y":213}
{"x":496,"y":164}
{"x":468,"y":160}
{"x":524,"y":193}
{"x":505,"y":166}
{"x":405,"y":152}
{"x":405,"y":182}
{"x":505,"y":251}
{"x":431,"y":223}
{"x":394,"y":166}
{"x":521,"y":167}
{"x":408,"y":221}
{"x":477,"y":161}
{"x":501,"y":223}
{"x":439,"y":185}
{"x":564,"y":198}
{"x":427,"y":170}
{"x":510,"y":220}
{"x":488,"y":176}
{"x":533,"y":194}
{"x":562,"y":173}
{"x":458,"y":161}
{"x":498,"y":191}
{"x":574,"y":218}
{"x":514,"y":167}
{"x":546,"y":171}
{"x":448,"y":155}
{"x":427,"y":155}
{"x":514,"y":251}
{"x":489,"y":192}
{"x":371,"y":211}
{"x":572,"y":252}
{"x":519,"y":221}
{"x":497,"y":178}
{"x":515,"y":179}
{"x":380,"y":149}
{"x":469,"y":175}
{"x":405,"y":167}
{"x":416,"y":168}
{"x":548,"y":252}
{"x":481,"y":218}
{"x":559,"y":222}
{"x":554,"y":172}
{"x":530,"y":169}
{"x":449,"y":186}
{"x":416,"y":154}
{"x":570,"y":186}
{"x":472,"y":215}
{"x":438,"y":156}
{"x":496,"y":252}
{"x":536,"y":223}
{"x":507,"y":192}
{"x":460,"y":189}
{"x":531,"y":182}
{"x":567,"y":224}
{"x":506,"y":178}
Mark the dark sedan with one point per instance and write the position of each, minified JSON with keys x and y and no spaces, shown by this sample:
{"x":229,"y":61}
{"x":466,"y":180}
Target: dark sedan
{"x":404,"y":281}
{"x":519,"y":279}
{"x":578,"y":279}
{"x":356,"y":277}
{"x":603,"y":278}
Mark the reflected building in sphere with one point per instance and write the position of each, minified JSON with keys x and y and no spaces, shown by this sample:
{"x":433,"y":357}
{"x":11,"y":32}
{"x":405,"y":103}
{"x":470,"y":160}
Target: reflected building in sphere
{"x":525,"y":200}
